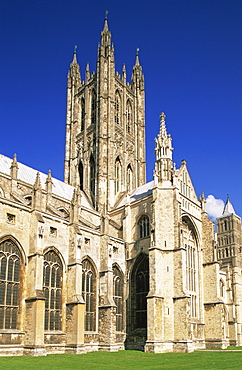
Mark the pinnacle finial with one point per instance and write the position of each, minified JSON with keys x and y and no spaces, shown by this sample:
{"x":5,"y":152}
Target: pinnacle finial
{"x":106,"y":20}
{"x":137,"y":57}
{"x":14,"y":162}
{"x":162,"y":117}
{"x":37,"y":184}
{"x":74,"y":55}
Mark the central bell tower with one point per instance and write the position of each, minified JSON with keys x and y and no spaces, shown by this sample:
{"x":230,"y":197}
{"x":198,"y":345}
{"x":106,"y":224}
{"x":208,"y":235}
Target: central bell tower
{"x":105,"y":128}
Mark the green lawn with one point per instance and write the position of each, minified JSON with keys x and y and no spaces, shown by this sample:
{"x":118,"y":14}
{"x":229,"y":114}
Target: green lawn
{"x":127,"y":360}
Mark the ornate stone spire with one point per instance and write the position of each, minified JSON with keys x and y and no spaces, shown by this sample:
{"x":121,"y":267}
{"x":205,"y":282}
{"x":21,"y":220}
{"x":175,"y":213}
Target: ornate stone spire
{"x":74,"y":73}
{"x":137,"y":75}
{"x":106,"y":35}
{"x":163,"y":152}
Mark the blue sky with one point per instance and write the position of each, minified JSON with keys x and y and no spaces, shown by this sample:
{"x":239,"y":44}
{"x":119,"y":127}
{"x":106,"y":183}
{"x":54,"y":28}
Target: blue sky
{"x":190,"y":51}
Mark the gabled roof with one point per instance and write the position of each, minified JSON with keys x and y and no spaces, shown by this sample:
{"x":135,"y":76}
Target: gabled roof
{"x":183,"y":174}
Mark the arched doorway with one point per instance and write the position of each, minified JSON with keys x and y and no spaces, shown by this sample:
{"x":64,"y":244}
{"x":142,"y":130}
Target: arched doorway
{"x":137,"y":304}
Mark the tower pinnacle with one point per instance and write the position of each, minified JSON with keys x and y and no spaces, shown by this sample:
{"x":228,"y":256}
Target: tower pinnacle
{"x":106,"y":35}
{"x":163,"y":151}
{"x":137,"y":57}
{"x":106,"y":21}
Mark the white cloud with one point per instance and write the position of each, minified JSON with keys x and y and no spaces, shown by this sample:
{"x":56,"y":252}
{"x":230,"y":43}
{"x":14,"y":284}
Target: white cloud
{"x":214,"y":207}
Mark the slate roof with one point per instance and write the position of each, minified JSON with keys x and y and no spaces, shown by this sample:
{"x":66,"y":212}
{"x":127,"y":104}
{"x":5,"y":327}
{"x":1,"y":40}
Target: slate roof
{"x":140,"y":192}
{"x":28,"y":175}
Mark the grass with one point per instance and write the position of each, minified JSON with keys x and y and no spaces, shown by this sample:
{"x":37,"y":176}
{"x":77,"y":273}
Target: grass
{"x":127,"y":360}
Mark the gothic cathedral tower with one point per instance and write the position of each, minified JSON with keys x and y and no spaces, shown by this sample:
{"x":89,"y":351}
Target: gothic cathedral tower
{"x":105,"y":128}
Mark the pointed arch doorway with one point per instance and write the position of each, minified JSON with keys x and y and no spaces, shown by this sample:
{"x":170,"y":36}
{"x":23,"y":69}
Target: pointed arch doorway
{"x":137,"y":304}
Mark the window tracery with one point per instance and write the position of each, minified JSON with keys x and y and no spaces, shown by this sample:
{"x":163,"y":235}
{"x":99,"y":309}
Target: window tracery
{"x":118,"y":297}
{"x":88,"y":294}
{"x":52,"y":286}
{"x":10,"y":262}
{"x":144,"y":226}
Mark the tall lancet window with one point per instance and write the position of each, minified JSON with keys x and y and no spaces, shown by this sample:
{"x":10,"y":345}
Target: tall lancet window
{"x":118,"y":297}
{"x":117,"y":106}
{"x":129,"y":178}
{"x":80,"y":169}
{"x":117,"y":183}
{"x":94,"y":107}
{"x":142,"y":289}
{"x":52,"y":285}
{"x":82,"y":114}
{"x":10,"y":262}
{"x":89,"y":294}
{"x":92,"y":178}
{"x":191,"y":265}
{"x":128,"y":117}
{"x":144,"y":226}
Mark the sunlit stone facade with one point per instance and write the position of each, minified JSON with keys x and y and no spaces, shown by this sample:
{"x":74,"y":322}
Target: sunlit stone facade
{"x":104,"y":260}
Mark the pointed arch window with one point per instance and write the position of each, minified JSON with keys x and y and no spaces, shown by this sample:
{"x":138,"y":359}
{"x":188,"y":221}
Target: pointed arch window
{"x":144,"y":226}
{"x":141,"y":290}
{"x":129,"y":177}
{"x":191,"y":265}
{"x":10,"y":263}
{"x":221,"y":288}
{"x":94,"y":107}
{"x":118,"y":297}
{"x":52,"y":285}
{"x":82,"y":114}
{"x":117,"y":107}
{"x":92,"y":178}
{"x":129,"y":117}
{"x":89,"y":294}
{"x":80,"y":170}
{"x":117,"y":184}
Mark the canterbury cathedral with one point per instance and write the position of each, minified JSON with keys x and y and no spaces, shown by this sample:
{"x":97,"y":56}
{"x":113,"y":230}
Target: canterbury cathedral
{"x":104,"y":260}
